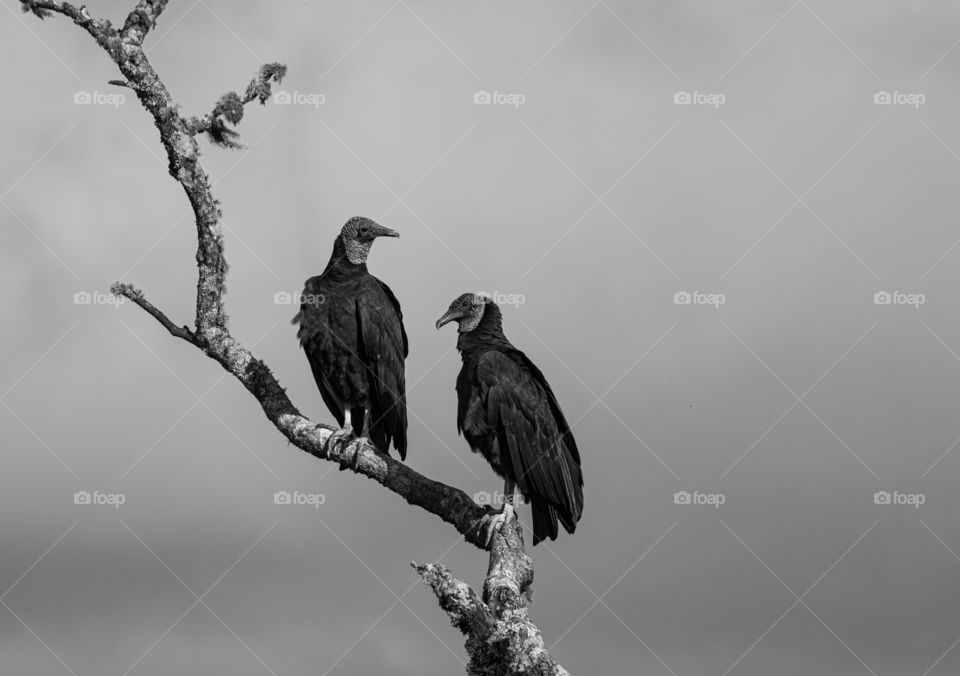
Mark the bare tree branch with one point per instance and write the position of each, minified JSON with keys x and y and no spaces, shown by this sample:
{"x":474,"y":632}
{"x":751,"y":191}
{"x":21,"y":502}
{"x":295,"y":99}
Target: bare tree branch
{"x":143,"y":17}
{"x":229,"y":108}
{"x":501,"y":639}
{"x":136,"y":295}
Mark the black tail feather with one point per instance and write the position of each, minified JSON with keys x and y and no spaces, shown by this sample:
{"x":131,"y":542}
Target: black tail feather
{"x":390,"y":428}
{"x":544,"y":520}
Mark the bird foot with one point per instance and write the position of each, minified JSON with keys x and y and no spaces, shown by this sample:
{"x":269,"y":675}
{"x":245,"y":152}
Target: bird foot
{"x":355,"y":456}
{"x":349,"y":446}
{"x":340,"y":440}
{"x":498,"y":521}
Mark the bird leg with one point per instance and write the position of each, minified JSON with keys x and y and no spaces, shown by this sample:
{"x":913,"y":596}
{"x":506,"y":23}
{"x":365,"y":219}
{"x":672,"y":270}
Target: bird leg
{"x":348,"y":435}
{"x":507,"y":512}
{"x":367,"y":415}
{"x":365,"y":434}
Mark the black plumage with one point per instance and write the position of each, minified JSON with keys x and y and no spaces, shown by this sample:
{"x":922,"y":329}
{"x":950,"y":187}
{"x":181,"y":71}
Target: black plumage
{"x":351,"y":329}
{"x":507,"y":412}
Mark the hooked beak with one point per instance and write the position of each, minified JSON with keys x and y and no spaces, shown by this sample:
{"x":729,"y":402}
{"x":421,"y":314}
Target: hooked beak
{"x":380,"y":231}
{"x":448,"y":316}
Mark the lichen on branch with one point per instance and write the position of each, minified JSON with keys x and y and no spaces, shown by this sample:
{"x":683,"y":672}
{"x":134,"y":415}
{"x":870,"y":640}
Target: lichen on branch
{"x":500,"y":636}
{"x":229,"y":108}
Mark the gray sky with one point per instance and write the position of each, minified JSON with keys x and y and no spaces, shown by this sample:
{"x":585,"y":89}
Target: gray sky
{"x":782,"y":194}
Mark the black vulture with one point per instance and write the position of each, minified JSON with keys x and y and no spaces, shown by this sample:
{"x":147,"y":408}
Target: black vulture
{"x":351,"y":329}
{"x":507,"y":412}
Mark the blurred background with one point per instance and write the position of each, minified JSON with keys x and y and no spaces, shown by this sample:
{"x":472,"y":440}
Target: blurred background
{"x":726,"y":232}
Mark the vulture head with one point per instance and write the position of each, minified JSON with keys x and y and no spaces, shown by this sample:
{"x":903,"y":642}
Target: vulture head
{"x":358,"y":234}
{"x":467,"y":310}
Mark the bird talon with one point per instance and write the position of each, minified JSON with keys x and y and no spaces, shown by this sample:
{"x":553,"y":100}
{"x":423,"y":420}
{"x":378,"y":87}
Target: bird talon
{"x":357,"y":447}
{"x":339,"y":442}
{"x":498,"y":521}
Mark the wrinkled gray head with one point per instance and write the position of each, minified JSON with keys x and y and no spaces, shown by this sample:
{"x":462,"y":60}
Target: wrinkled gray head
{"x":358,"y":234}
{"x":467,"y":310}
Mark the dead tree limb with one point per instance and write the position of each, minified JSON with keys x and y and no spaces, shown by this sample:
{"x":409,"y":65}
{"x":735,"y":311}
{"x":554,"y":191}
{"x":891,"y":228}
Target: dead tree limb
{"x":500,"y":637}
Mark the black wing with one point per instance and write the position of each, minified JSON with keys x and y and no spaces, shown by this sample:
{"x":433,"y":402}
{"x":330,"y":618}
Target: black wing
{"x":335,"y":406}
{"x":396,"y":306}
{"x":536,"y":446}
{"x":383,"y":348}
{"x":322,"y":347}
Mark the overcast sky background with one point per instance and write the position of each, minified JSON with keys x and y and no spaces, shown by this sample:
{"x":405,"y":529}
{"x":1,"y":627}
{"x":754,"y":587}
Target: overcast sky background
{"x":596,"y":200}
